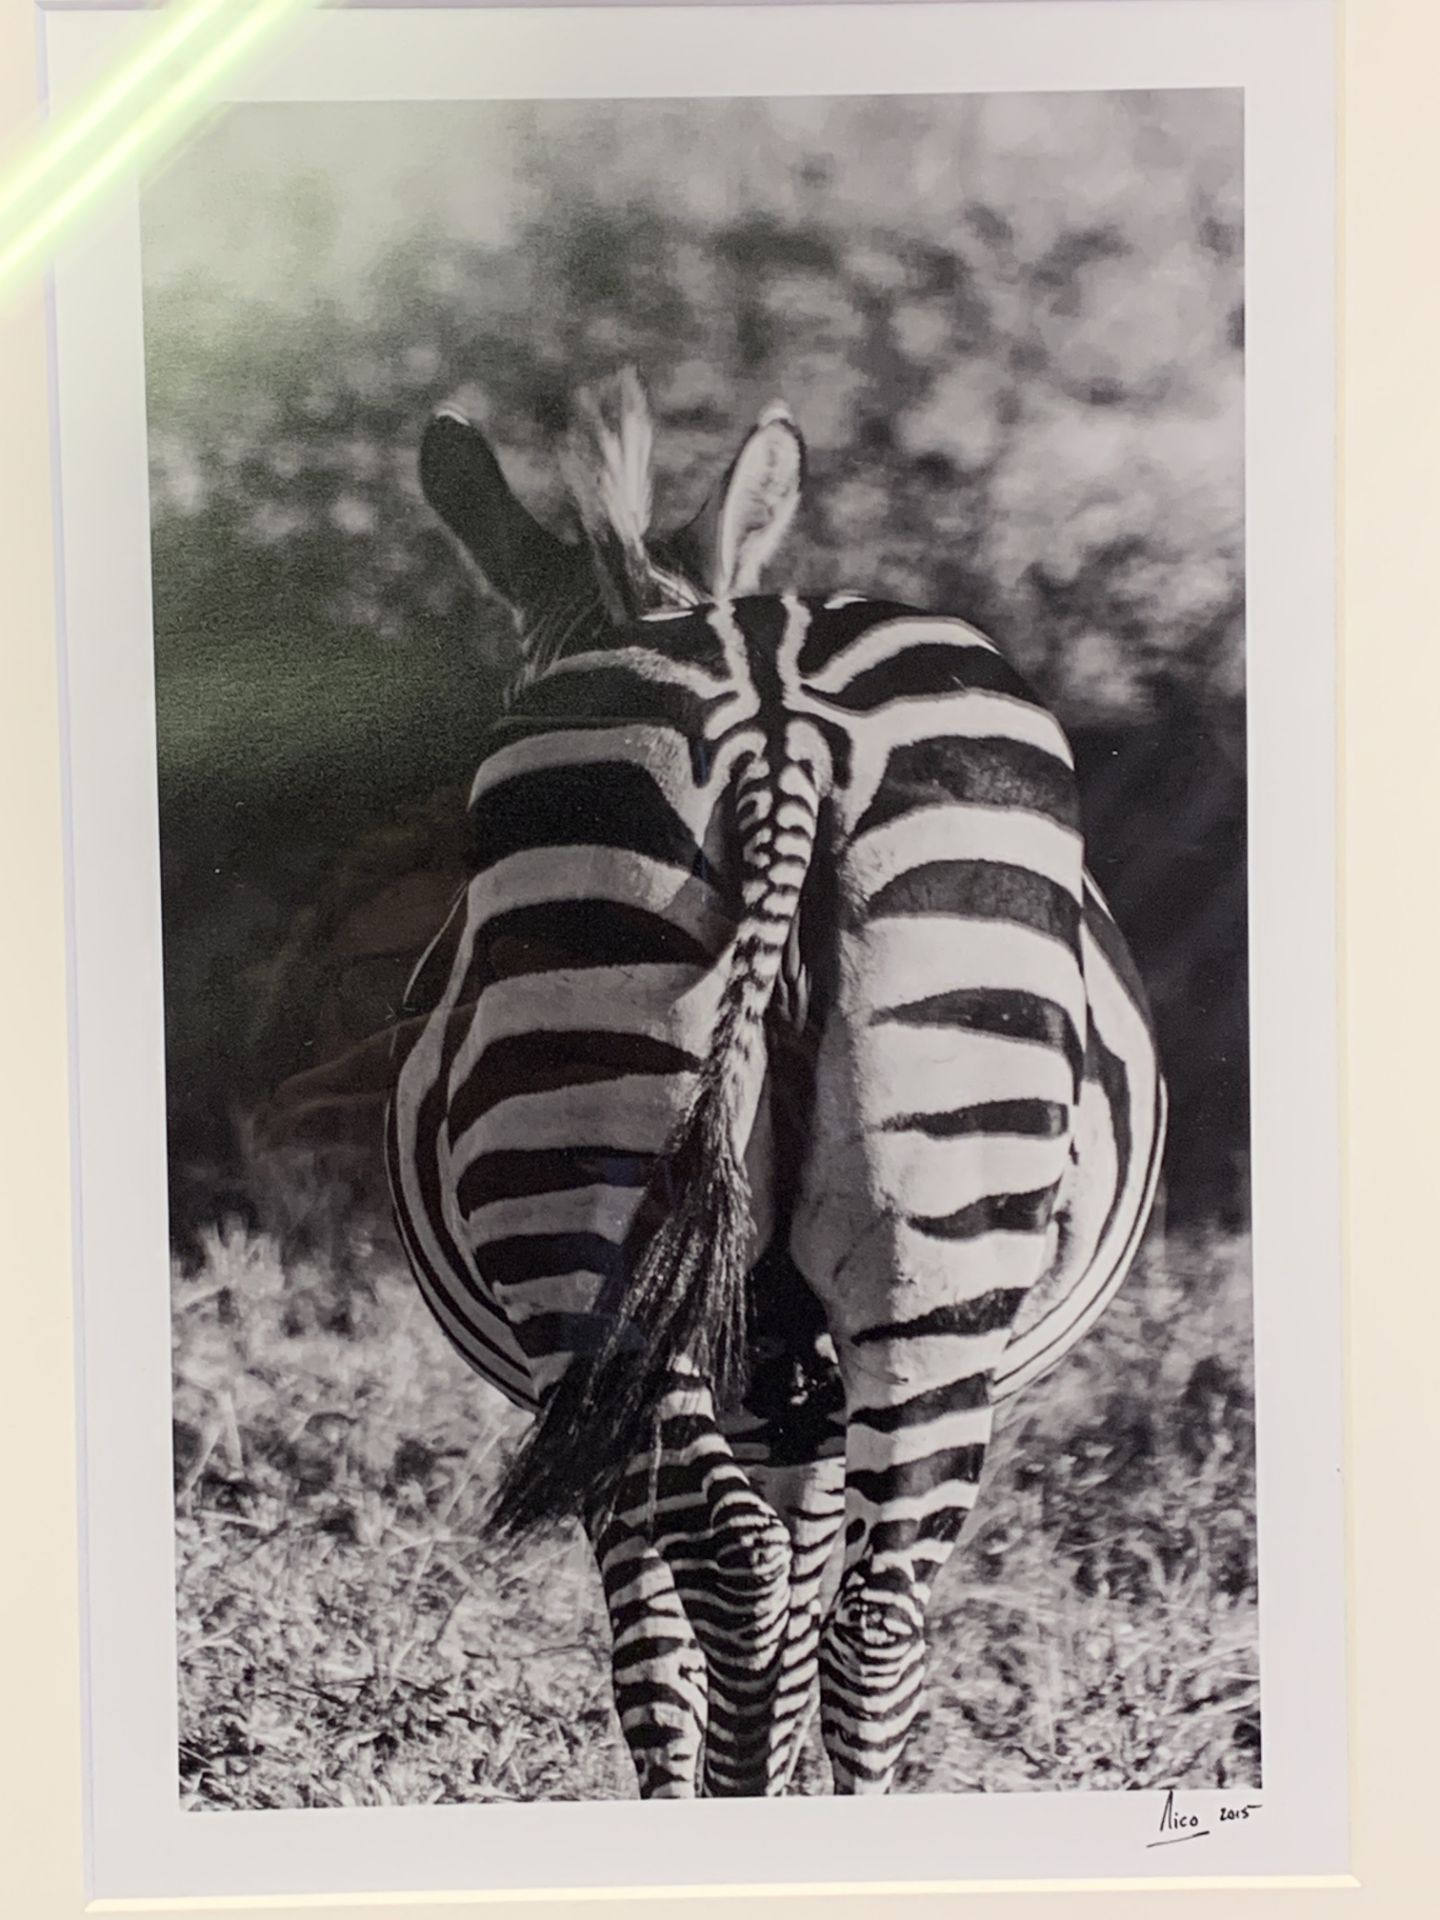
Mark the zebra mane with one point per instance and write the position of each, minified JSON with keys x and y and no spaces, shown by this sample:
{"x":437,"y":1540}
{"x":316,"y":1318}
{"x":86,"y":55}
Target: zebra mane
{"x":607,"y":468}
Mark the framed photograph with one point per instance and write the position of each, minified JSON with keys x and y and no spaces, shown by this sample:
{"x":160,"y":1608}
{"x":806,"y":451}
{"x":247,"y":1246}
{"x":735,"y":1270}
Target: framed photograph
{"x":698,"y":657}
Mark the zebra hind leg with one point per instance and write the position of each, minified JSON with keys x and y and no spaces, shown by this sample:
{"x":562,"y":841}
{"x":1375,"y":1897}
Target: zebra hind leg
{"x":810,"y":1498}
{"x":658,"y":1669}
{"x":790,"y":1438}
{"x":729,"y":1555}
{"x":914,"y":1454}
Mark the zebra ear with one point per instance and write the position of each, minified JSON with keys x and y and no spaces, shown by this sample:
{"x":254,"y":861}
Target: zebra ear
{"x":757,"y":502}
{"x":738,"y":531}
{"x":462,"y":482}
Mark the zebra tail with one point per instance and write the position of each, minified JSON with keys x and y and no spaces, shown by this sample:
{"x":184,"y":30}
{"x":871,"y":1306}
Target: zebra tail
{"x":679,"y":1310}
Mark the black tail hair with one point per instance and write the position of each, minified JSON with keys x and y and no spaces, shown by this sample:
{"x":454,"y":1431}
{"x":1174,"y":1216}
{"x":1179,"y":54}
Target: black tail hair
{"x":680,"y":1300}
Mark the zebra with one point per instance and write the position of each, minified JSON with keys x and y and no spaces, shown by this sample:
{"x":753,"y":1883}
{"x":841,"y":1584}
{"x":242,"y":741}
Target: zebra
{"x":789,"y":1099}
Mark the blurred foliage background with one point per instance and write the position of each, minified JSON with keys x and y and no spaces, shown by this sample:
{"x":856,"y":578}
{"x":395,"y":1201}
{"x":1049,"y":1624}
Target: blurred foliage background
{"x":1010,"y":327}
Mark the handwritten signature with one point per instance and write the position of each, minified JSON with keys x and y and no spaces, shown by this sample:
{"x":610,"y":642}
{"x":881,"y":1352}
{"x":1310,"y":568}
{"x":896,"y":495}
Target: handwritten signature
{"x":1176,"y":1825}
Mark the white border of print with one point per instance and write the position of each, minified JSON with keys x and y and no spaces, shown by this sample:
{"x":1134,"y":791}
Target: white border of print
{"x":1281,"y":52}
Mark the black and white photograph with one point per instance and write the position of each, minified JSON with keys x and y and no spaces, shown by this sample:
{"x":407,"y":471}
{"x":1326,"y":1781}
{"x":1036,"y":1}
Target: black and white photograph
{"x":700,"y":691}
{"x":700,"y":674}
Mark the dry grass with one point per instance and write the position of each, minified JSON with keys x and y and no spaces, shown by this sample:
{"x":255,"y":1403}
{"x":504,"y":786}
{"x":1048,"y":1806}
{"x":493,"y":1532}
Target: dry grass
{"x":349,"y":1635}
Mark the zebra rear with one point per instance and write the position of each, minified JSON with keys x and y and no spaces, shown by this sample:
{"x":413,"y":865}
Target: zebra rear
{"x":783,"y":1038}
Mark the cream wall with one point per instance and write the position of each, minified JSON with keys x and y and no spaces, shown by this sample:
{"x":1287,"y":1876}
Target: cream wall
{"x":1391,"y":771}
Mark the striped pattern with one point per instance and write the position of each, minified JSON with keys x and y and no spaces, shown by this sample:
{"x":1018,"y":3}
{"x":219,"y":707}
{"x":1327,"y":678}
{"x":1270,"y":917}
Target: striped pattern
{"x":825,"y":854}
